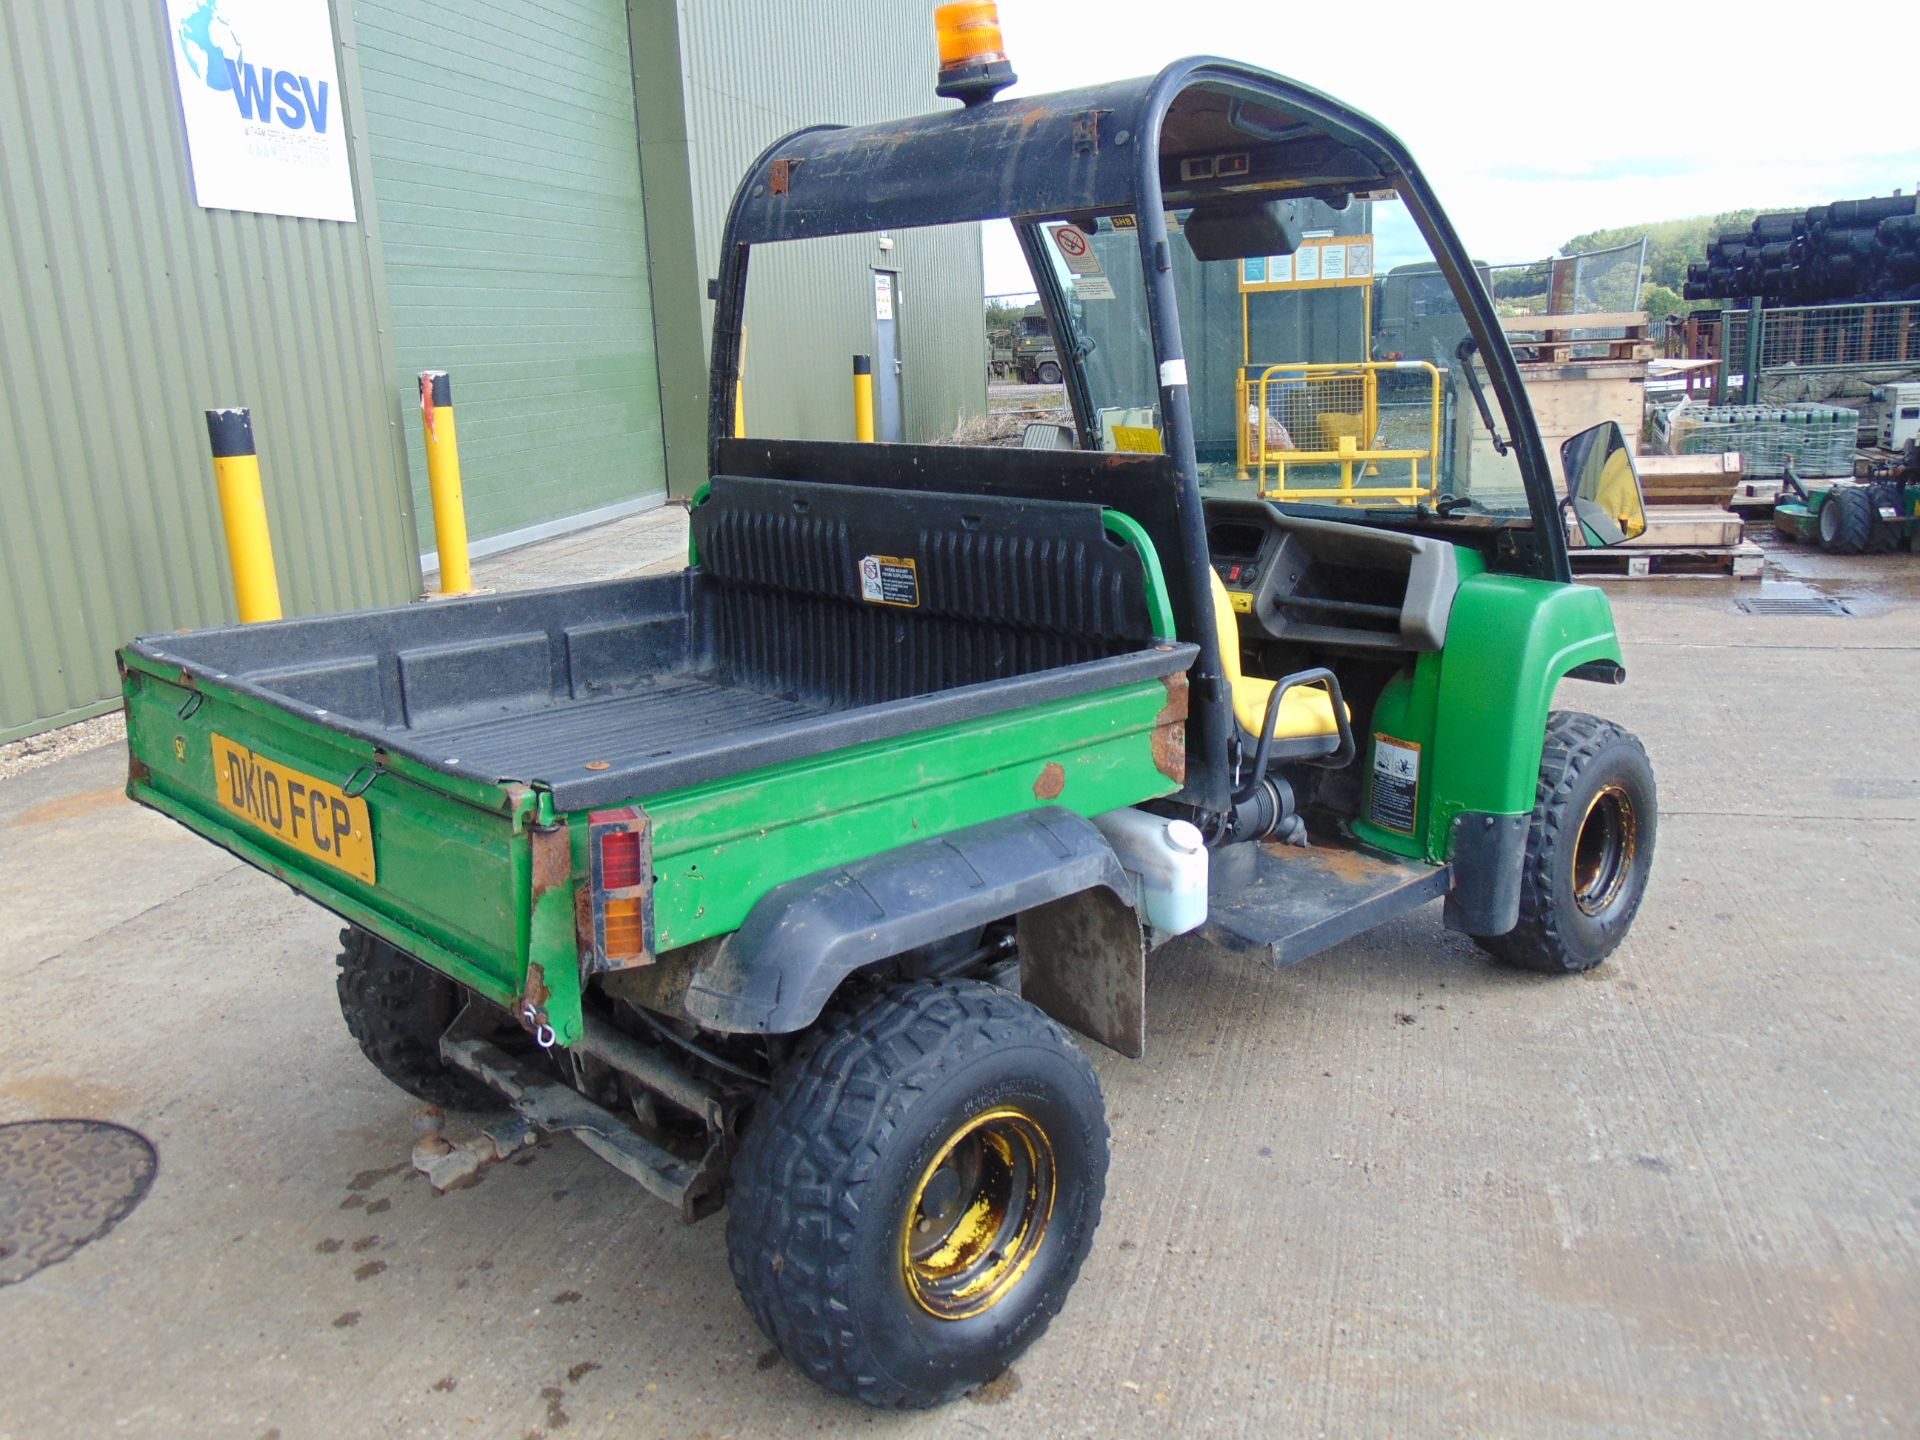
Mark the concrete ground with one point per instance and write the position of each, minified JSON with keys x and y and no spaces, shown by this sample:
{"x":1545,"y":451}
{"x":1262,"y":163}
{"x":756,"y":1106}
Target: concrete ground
{"x":1394,"y":1191}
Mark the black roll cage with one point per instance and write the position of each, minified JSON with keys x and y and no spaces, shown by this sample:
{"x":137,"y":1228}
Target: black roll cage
{"x":1077,"y":152}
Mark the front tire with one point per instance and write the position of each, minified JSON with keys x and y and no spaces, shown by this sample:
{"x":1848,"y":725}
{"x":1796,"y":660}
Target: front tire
{"x":919,"y":1191}
{"x":1048,"y":373}
{"x":1589,"y":848}
{"x":1847,"y":521}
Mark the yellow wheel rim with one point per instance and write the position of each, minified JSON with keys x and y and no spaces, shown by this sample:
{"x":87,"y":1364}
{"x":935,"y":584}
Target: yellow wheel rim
{"x":978,"y":1215}
{"x":1603,"y":852}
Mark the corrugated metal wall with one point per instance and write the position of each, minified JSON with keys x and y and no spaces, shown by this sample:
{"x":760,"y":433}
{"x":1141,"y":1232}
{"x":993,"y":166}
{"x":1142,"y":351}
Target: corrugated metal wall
{"x":126,"y":311}
{"x":506,"y":166}
{"x":810,"y":309}
{"x":754,"y":70}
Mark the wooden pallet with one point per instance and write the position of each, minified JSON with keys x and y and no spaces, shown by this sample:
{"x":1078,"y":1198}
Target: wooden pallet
{"x":1689,"y":479}
{"x":1561,"y":352}
{"x":1676,"y":527}
{"x":1757,"y":494}
{"x":1556,"y":347}
{"x":1708,"y":562}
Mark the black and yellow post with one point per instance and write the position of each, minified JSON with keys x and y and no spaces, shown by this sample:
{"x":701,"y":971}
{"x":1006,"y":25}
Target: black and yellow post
{"x":243,"y":511}
{"x":443,"y":482}
{"x":863,"y":397}
{"x":740,"y":391}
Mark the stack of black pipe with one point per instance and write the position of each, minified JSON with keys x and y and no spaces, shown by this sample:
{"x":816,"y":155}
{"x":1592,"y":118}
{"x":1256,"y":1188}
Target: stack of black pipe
{"x":1851,"y":250}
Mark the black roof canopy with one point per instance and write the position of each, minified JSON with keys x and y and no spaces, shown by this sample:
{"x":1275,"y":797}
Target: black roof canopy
{"x":1067,"y":152}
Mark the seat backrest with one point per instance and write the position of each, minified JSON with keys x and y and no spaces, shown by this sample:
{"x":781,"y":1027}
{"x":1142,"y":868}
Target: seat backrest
{"x":850,"y":595}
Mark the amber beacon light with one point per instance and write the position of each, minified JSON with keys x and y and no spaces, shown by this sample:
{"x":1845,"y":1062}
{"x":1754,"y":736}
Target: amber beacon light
{"x":973,"y":58}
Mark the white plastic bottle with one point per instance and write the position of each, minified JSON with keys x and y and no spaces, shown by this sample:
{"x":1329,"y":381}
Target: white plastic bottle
{"x":1168,"y":860}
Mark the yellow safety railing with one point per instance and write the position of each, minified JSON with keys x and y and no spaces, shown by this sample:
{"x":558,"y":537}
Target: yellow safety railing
{"x":1318,"y":414}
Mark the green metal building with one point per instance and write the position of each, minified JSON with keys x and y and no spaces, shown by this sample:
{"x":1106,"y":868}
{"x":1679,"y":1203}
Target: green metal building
{"x":539,"y":192}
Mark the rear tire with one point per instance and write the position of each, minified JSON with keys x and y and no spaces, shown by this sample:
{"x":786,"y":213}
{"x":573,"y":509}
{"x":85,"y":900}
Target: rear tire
{"x":918,"y":1192}
{"x":1846,"y":521}
{"x":397,"y":1009}
{"x":1589,"y":848}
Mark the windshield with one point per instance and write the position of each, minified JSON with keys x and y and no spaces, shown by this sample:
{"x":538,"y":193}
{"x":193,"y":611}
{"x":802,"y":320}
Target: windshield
{"x":1330,"y":376}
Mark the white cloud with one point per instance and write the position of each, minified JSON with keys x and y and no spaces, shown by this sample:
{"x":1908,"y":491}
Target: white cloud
{"x":1536,"y":123}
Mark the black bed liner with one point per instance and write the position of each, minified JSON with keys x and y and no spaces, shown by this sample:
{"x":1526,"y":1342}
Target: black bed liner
{"x":765,"y":653}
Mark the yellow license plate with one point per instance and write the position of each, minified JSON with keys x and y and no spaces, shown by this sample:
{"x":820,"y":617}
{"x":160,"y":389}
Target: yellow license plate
{"x":310,"y":815}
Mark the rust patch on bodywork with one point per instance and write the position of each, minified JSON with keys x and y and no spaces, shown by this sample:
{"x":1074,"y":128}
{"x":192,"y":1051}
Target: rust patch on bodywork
{"x":780,"y":177}
{"x":1052,"y":781}
{"x":530,"y":1005}
{"x":552,"y":860}
{"x":1170,"y":732}
{"x":1086,"y":132}
{"x":583,"y":922}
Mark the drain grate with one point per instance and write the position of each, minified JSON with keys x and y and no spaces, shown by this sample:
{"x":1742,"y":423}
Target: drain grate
{"x":64,"y":1184}
{"x":1794,"y":605}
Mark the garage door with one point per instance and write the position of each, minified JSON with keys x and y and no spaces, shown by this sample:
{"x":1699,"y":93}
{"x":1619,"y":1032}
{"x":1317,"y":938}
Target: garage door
{"x":506,"y":172}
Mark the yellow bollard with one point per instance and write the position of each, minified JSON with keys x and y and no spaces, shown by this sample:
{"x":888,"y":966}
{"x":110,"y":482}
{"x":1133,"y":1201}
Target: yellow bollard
{"x":863,"y":397}
{"x":443,"y":482}
{"x":740,"y":391}
{"x":243,"y":510}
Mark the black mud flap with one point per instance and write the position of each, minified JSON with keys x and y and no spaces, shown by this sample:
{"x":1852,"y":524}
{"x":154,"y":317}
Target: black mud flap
{"x":1083,"y":960}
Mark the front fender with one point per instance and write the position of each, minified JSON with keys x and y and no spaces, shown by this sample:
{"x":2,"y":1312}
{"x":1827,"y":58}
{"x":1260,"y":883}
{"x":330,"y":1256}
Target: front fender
{"x":775,"y":973}
{"x":1510,"y":641}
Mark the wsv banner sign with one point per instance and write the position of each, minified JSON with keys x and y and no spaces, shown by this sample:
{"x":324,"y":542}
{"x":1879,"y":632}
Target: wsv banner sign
{"x":261,"y":96}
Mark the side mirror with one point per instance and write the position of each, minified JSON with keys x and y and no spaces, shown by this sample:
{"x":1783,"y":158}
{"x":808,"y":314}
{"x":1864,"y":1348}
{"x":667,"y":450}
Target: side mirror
{"x":1044,"y":435}
{"x":1603,"y":489}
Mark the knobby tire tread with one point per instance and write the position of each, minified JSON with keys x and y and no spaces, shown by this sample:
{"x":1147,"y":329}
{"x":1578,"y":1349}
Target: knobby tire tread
{"x":798,"y":1174}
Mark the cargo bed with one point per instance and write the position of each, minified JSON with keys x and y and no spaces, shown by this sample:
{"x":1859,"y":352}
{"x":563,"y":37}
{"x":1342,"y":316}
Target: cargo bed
{"x":1035,"y":637}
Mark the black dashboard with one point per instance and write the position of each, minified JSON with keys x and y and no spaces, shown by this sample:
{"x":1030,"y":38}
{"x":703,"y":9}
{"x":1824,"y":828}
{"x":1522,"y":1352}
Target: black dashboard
{"x":1330,"y":583}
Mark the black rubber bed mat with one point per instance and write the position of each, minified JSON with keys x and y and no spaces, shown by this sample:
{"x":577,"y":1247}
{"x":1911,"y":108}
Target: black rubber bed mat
{"x":665,"y":719}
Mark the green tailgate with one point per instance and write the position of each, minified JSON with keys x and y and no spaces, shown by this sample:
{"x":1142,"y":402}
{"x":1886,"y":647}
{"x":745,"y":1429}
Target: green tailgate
{"x":454,"y":857}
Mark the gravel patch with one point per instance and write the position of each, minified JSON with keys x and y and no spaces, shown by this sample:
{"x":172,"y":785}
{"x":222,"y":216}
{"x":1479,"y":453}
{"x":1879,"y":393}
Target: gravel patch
{"x":19,"y":756}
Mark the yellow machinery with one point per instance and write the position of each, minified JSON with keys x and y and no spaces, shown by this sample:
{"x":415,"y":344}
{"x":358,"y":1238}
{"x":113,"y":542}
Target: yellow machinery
{"x":1301,"y":413}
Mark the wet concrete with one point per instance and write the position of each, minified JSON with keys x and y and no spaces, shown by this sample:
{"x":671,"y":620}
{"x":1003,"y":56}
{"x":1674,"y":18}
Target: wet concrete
{"x":1680,"y":1197}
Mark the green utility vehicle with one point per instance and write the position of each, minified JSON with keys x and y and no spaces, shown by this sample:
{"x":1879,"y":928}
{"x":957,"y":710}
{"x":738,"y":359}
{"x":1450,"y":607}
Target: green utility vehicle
{"x":1877,"y":510}
{"x":781,"y":881}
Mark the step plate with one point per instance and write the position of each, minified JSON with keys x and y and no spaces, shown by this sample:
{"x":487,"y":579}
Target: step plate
{"x":1301,"y":902}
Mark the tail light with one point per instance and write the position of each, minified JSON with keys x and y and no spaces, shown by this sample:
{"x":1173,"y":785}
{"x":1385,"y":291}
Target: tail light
{"x":621,"y":842}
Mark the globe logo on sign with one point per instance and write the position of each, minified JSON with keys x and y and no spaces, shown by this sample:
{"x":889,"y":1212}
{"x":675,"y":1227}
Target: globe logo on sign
{"x":206,"y":38}
{"x":261,"y":94}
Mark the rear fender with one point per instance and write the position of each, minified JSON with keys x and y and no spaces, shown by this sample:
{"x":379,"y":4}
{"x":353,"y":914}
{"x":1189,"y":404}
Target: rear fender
{"x":775,"y":974}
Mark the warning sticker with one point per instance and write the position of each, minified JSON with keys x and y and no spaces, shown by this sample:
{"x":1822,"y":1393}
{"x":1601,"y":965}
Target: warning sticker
{"x":1138,"y":440}
{"x":1093,"y":287}
{"x":1077,"y":250}
{"x":1396,"y":783}
{"x":890,"y":580}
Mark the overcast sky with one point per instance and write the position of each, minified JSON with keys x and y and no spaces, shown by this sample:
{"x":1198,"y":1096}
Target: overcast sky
{"x":1536,"y":122}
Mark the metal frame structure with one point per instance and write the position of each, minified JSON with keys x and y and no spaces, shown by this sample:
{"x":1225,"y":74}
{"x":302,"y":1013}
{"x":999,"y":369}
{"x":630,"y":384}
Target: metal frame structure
{"x":1362,"y":381}
{"x":1098,"y":151}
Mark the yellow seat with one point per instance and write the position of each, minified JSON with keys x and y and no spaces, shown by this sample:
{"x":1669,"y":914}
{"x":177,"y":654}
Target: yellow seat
{"x":1306,"y":711}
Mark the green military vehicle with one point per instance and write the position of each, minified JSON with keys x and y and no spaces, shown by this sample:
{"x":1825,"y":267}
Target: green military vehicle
{"x":781,"y":881}
{"x":1024,"y":351}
